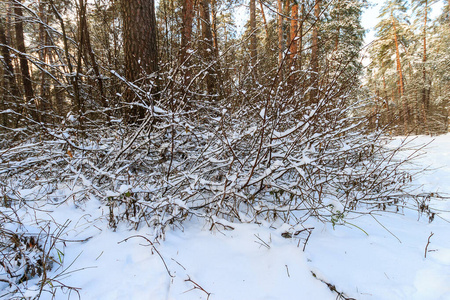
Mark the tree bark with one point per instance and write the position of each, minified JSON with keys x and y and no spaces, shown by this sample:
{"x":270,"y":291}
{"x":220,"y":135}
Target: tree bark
{"x":90,"y":55}
{"x":214,"y":28}
{"x":425,"y":90}
{"x":280,"y":32}
{"x":264,"y":19}
{"x":139,"y":38}
{"x":386,"y":102}
{"x":81,"y":37}
{"x":186,"y":37}
{"x":400,"y":75}
{"x":208,"y":47}
{"x":9,"y":80}
{"x":24,"y":69}
{"x":43,"y":55}
{"x":314,"y":84}
{"x":338,"y":30}
{"x":9,"y":69}
{"x":253,"y":51}
{"x":140,"y":48}
{"x":294,"y":34}
{"x":300,"y":35}
{"x":72,"y":79}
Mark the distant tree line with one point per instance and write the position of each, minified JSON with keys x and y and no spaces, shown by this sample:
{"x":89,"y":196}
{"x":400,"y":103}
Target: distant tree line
{"x":408,"y":76}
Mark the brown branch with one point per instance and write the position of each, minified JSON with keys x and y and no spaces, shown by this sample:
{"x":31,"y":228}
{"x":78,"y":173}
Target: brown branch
{"x":154,"y":248}
{"x":197,"y":286}
{"x":428,"y":243}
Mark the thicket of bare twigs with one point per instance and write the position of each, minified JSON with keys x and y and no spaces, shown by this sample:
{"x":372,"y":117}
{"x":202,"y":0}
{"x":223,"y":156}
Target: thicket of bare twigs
{"x":279,"y":157}
{"x":29,"y":253}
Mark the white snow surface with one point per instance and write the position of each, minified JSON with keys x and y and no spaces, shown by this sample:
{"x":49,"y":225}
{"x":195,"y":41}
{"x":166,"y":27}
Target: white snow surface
{"x":255,"y":262}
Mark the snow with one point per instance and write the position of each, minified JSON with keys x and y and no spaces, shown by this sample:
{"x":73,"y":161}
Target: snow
{"x":262,"y":113}
{"x":374,"y":255}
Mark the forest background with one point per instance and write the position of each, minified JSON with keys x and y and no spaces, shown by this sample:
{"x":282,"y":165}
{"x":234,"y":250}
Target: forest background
{"x":48,"y":63}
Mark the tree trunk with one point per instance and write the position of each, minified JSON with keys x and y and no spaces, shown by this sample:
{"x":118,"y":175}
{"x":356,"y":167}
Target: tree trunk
{"x":338,"y":30}
{"x":90,"y":55}
{"x":314,"y":84}
{"x":300,"y":35}
{"x":386,"y":101}
{"x":72,"y":79}
{"x":264,"y":19}
{"x":139,"y":38}
{"x":9,"y":69}
{"x":214,"y":28}
{"x":280,"y":32}
{"x":425,"y":90}
{"x":140,"y":46}
{"x":81,"y":38}
{"x":208,"y":47}
{"x":294,"y":34}
{"x":253,"y":51}
{"x":44,"y":95}
{"x":186,"y":37}
{"x":9,"y":82}
{"x":400,"y":75}
{"x":25,"y":71}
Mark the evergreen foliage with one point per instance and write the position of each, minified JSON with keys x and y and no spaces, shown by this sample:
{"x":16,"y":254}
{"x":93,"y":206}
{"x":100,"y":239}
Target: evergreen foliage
{"x":403,"y":76}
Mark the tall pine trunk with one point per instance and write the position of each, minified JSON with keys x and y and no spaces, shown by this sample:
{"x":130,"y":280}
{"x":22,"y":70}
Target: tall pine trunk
{"x":294,"y":34}
{"x":314,"y":83}
{"x":264,"y":19}
{"x":9,"y":73}
{"x":43,"y":53}
{"x":139,"y":38}
{"x":9,"y":77}
{"x":280,"y":32}
{"x":24,"y":68}
{"x":90,"y":55}
{"x":207,"y":47}
{"x":140,"y":45}
{"x":253,"y":51}
{"x":300,"y":35}
{"x":425,"y":89}
{"x":214,"y":28}
{"x":400,"y":76}
{"x":186,"y":37}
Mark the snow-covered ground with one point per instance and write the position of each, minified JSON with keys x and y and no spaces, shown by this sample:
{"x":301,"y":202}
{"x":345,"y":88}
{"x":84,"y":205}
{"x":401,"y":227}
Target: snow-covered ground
{"x":377,"y":255}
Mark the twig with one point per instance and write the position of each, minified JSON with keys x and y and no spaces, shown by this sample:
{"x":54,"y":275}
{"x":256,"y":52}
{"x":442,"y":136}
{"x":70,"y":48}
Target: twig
{"x":426,"y":247}
{"x":179,"y":264}
{"x":262,"y":242}
{"x":287,"y":270}
{"x":307,"y":239}
{"x":332,"y":287}
{"x":197,"y":286}
{"x":154,"y":248}
{"x":75,"y":241}
{"x":385,"y":228}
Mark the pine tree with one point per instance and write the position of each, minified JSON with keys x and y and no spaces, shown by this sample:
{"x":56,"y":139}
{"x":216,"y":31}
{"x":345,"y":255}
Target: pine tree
{"x":140,"y":46}
{"x":389,"y":32}
{"x":422,"y":9}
